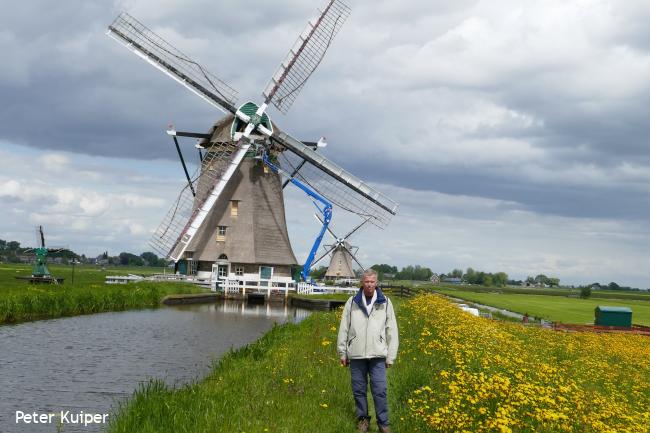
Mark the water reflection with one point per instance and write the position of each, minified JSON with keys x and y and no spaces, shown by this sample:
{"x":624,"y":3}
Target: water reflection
{"x":88,"y":363}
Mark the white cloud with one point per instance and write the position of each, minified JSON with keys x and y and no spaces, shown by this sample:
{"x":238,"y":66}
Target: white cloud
{"x":10,"y":188}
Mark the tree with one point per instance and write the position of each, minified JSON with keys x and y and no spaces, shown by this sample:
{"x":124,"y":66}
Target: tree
{"x":470,"y":276}
{"x":130,"y":259}
{"x":384,"y":269}
{"x":487,"y":280}
{"x":541,"y":279}
{"x":585,"y":292}
{"x":152,"y":259}
{"x":613,"y":286}
{"x":3,"y":244}
{"x":319,"y":273}
{"x":13,"y":246}
{"x":456,"y":273}
{"x":500,"y":279}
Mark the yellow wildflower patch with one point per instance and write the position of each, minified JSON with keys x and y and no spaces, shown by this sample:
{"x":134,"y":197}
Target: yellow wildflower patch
{"x":488,"y":376}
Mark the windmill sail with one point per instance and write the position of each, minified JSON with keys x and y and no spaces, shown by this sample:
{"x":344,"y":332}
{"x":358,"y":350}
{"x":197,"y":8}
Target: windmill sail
{"x":186,"y":216}
{"x":305,"y":56}
{"x":148,"y":45}
{"x":335,"y":183}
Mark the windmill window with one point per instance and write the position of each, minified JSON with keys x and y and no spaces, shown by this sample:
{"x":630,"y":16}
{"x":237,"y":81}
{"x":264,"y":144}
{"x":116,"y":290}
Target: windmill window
{"x":239,"y":270}
{"x":266,"y":272}
{"x":221,"y":233}
{"x":234,"y":208}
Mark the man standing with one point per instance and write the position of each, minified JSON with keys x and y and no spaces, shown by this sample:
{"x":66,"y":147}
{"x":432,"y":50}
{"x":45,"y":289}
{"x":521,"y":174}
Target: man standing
{"x":367,"y":342}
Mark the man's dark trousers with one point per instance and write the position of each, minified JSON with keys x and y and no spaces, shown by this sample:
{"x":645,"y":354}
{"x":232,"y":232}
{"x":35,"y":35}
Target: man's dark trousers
{"x":360,"y":369}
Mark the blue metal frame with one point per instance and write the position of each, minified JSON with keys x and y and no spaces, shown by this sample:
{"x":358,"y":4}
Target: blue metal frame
{"x":326,"y":211}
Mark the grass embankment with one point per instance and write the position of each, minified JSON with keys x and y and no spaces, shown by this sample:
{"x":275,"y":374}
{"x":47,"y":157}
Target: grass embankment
{"x":21,"y":301}
{"x":553,"y":308}
{"x":455,"y":373}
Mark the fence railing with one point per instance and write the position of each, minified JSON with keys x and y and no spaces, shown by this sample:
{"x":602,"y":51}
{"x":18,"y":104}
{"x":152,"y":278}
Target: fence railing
{"x":403,"y":291}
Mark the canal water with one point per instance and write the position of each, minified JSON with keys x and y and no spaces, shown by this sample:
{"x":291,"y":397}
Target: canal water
{"x":90,"y":363}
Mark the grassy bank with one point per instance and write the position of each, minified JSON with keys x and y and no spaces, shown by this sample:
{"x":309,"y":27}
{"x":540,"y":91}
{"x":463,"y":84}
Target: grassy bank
{"x":21,"y":301}
{"x":288,"y":381}
{"x":455,"y":373}
{"x":553,"y":308}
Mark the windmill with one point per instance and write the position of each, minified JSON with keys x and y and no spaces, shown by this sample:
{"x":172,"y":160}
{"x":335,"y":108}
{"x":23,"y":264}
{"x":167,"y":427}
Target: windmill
{"x":231,"y":212}
{"x":40,"y":271}
{"x":342,"y":254}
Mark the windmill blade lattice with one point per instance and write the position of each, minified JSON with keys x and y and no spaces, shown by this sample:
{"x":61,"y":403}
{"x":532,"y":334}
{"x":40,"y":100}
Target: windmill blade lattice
{"x":145,"y":43}
{"x":168,"y":237}
{"x":305,"y":56}
{"x":339,"y":186}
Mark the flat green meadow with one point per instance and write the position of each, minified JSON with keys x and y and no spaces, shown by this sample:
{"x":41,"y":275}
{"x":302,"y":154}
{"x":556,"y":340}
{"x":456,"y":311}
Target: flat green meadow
{"x":21,"y":301}
{"x":552,"y":308}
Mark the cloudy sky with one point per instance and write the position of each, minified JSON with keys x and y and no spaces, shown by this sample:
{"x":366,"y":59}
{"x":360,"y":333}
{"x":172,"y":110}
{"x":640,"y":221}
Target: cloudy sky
{"x":514,"y":134}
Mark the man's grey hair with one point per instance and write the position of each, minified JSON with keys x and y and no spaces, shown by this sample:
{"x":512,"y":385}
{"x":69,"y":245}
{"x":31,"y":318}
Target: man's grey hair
{"x":369,"y":272}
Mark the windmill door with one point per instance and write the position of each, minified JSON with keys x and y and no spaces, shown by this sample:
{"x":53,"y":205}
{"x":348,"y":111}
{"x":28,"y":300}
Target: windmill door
{"x":220,"y":270}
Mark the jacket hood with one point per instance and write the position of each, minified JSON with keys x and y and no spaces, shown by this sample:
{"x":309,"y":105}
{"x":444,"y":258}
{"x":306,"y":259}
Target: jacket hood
{"x":358,"y":299}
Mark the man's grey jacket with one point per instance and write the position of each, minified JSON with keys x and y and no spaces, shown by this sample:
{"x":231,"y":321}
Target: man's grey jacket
{"x":363,"y":335}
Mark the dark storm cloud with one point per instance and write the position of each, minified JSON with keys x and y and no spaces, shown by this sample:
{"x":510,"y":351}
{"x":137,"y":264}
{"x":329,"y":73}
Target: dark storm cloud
{"x":69,"y":87}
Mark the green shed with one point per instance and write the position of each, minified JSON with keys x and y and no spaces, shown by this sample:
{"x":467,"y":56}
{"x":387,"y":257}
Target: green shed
{"x":613,"y":316}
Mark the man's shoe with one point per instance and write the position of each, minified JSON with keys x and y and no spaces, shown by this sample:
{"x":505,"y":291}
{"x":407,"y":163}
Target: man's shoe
{"x":363,"y":424}
{"x":383,"y":428}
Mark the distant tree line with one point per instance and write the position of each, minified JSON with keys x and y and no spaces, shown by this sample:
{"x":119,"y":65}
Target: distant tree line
{"x":472,"y":276}
{"x":12,"y":252}
{"x":612,"y":286}
{"x":386,"y":272}
{"x":128,"y":259}
{"x":543,"y":280}
{"x":410,"y":272}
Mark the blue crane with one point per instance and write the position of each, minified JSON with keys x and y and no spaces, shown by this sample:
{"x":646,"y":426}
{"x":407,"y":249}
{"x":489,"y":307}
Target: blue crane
{"x":325,"y":209}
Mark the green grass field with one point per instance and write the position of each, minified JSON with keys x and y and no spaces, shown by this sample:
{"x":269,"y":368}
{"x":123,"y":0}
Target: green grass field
{"x":84,"y":275}
{"x":553,"y":308}
{"x":600,"y":294}
{"x":21,"y":301}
